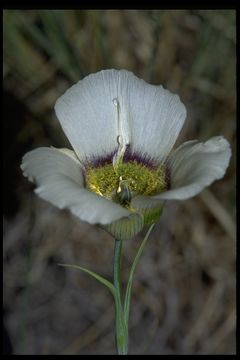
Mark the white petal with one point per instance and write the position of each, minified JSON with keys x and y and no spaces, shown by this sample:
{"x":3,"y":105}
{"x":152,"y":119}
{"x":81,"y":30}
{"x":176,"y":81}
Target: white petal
{"x":194,"y":166}
{"x":89,"y":115}
{"x":68,"y":152}
{"x":60,"y":180}
{"x":146,"y":116}
{"x":156,"y":116}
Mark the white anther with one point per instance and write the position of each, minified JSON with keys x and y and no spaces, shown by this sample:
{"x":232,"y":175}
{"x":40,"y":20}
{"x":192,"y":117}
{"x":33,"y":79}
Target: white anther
{"x":116,"y":102}
{"x":122,"y":137}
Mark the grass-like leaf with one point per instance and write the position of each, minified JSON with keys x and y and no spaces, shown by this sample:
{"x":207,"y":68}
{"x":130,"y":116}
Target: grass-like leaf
{"x":101,"y":279}
{"x":130,"y":279}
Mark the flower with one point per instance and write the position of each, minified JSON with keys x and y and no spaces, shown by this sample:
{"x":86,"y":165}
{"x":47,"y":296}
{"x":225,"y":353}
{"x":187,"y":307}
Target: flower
{"x":122,"y":167}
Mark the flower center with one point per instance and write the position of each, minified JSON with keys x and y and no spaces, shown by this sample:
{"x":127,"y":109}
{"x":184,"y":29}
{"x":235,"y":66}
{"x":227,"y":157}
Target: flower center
{"x":125,"y":181}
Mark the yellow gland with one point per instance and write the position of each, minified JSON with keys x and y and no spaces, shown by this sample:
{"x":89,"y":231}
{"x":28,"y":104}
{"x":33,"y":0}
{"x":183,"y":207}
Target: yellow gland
{"x":125,"y":181}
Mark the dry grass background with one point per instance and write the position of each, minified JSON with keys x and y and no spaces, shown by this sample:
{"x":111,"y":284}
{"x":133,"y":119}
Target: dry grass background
{"x":184,"y":292}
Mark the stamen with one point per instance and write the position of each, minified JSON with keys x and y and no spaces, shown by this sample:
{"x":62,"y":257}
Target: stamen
{"x":117,"y":104}
{"x":119,"y":139}
{"x":117,"y":158}
{"x":119,"y":187}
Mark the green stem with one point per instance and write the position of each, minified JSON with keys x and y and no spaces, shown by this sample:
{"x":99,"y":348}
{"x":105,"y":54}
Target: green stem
{"x":121,"y":330}
{"x":122,"y":311}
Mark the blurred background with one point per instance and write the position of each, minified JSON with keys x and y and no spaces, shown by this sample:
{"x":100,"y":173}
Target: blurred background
{"x":184,"y":291}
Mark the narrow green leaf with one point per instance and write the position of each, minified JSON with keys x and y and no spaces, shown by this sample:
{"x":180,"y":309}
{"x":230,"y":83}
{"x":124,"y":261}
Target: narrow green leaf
{"x":130,"y":279}
{"x":101,"y":279}
{"x":152,"y":215}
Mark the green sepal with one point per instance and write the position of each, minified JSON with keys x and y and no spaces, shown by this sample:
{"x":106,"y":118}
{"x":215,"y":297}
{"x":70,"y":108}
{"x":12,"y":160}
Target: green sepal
{"x":127,"y":227}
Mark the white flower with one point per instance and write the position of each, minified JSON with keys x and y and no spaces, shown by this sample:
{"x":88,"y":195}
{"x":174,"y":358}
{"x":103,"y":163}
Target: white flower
{"x":121,"y":169}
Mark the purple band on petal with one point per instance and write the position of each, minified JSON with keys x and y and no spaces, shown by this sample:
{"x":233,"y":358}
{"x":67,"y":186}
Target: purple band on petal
{"x":140,"y":158}
{"x":99,"y":161}
{"x":168,"y":175}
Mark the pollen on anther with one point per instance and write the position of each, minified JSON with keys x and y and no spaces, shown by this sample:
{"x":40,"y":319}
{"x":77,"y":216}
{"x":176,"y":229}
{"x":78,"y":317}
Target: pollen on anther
{"x":116,"y":102}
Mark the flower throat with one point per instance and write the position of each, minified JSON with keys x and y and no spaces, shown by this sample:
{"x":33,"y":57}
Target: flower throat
{"x":128,"y":179}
